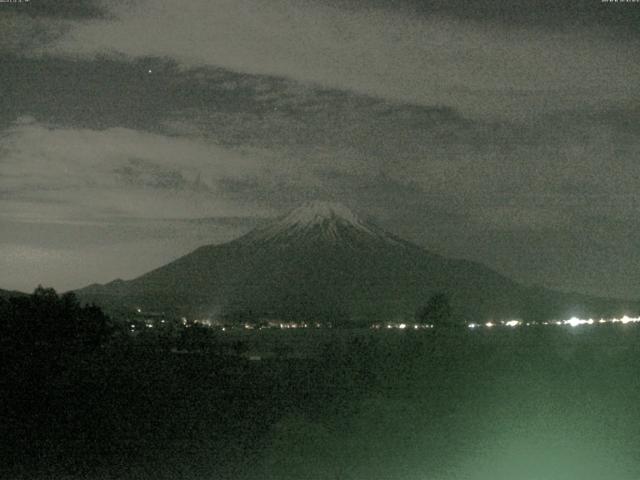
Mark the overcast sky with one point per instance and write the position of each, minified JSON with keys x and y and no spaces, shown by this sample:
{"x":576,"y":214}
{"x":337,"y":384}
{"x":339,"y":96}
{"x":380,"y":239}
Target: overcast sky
{"x":132,"y":132}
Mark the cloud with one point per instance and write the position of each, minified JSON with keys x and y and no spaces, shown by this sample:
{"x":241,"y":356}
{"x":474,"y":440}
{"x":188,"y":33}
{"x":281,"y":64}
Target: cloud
{"x":70,"y":9}
{"x":21,"y":33}
{"x":545,"y":13}
{"x":62,"y":173}
{"x":480,"y":68}
{"x":304,"y":141}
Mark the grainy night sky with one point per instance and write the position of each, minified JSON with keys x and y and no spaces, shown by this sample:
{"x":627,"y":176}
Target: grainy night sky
{"x":132,"y":132}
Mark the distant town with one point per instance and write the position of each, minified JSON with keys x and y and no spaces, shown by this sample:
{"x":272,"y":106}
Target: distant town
{"x":140,"y":320}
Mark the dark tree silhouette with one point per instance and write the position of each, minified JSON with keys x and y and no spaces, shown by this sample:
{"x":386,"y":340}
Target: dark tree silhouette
{"x":199,"y":338}
{"x":46,"y":321}
{"x":437,"y":311}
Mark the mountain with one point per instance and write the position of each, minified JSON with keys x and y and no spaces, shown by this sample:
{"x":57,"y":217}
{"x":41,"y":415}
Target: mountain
{"x":323,"y":262}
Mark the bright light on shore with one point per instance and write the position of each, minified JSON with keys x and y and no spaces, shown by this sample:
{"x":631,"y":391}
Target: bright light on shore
{"x":572,"y":322}
{"x":626,"y":320}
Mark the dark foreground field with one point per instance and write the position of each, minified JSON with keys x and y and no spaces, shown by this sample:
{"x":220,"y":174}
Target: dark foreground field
{"x":547,"y":403}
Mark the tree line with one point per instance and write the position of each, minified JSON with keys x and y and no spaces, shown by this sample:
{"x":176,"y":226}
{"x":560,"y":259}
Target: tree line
{"x":47,"y":321}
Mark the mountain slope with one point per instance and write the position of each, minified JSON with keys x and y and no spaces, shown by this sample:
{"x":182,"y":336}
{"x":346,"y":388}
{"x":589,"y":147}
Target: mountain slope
{"x":322,"y":262}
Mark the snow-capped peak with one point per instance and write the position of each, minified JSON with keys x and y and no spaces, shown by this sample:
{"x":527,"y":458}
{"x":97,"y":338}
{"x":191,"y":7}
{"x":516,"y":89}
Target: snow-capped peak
{"x":327,"y":220}
{"x":314,"y":213}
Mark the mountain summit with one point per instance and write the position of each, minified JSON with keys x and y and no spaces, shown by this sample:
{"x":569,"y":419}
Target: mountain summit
{"x":312,"y":213}
{"x":322,"y":262}
{"x":320,"y":221}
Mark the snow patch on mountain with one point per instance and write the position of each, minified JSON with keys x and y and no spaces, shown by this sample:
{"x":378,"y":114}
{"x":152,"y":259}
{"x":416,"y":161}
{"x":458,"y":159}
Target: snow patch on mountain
{"x":319,"y":213}
{"x":328,"y":220}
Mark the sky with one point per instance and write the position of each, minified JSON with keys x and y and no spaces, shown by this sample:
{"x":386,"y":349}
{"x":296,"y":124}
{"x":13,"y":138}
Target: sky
{"x":505,"y":132}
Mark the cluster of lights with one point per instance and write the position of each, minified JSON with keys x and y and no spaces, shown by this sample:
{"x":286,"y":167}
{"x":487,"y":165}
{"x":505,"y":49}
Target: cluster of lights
{"x":401,"y":326}
{"x":204,"y":322}
{"x":293,"y":325}
{"x":572,"y":322}
{"x":249,"y":326}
